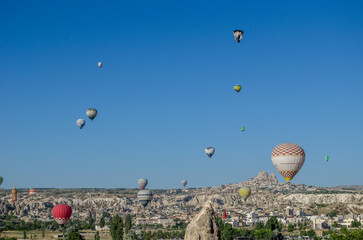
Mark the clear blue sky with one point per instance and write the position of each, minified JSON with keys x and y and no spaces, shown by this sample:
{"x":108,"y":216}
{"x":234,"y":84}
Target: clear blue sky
{"x":165,"y":91}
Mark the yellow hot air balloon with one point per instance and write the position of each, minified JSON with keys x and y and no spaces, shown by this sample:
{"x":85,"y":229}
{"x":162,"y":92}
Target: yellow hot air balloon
{"x":288,"y":158}
{"x":244,"y":192}
{"x":237,"y":88}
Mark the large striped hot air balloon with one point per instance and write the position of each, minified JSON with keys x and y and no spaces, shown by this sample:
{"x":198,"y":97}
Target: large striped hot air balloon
{"x":14,"y":194}
{"x":142,"y":183}
{"x":144,"y":197}
{"x":62,"y":213}
{"x":32,"y":191}
{"x":244,"y":192}
{"x":288,"y":158}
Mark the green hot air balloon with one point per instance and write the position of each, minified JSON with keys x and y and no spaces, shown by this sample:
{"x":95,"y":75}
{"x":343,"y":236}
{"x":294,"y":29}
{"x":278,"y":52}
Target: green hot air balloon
{"x":243,"y":129}
{"x":327,"y":158}
{"x":244,"y":192}
{"x":1,"y":180}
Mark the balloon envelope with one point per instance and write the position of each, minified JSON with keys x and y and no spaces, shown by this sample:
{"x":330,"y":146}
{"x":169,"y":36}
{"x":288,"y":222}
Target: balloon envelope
{"x":1,"y":180}
{"x":209,"y":151}
{"x":32,"y":191}
{"x":184,"y":182}
{"x":144,"y":197}
{"x":237,"y":88}
{"x":91,"y":113}
{"x":100,"y":64}
{"x":288,"y":158}
{"x":326,"y":158}
{"x":81,"y":122}
{"x":62,"y":213}
{"x":244,"y":192}
{"x":142,"y":183}
{"x":238,"y":35}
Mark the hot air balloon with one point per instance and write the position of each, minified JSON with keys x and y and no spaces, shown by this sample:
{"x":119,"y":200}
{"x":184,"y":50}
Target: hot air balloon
{"x":288,"y":158}
{"x":81,"y":122}
{"x":1,"y":180}
{"x":91,"y":113}
{"x":99,"y":64}
{"x":237,"y":88}
{"x":14,"y":194}
{"x":224,"y":214}
{"x":238,"y":35}
{"x":62,"y":213}
{"x":32,"y":191}
{"x":244,"y":192}
{"x":242,"y":129}
{"x":144,"y":197}
{"x":142,"y":183}
{"x":327,"y":158}
{"x":209,"y":151}
{"x":184,"y":182}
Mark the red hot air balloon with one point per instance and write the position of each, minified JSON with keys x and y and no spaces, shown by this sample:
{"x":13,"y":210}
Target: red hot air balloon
{"x":224,"y":215}
{"x":61,"y":213}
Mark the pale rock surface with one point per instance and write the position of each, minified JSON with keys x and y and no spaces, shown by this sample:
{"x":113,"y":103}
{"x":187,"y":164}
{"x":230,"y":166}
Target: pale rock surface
{"x":204,"y":225}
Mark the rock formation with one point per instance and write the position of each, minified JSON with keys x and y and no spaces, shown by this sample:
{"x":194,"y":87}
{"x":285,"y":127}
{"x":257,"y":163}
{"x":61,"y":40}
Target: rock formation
{"x":204,"y":225}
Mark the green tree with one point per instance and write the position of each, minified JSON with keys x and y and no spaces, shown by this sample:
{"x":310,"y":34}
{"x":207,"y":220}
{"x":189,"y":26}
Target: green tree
{"x":24,"y":234}
{"x":355,"y":224}
{"x":128,"y":223}
{"x":290,"y":228}
{"x":311,"y":233}
{"x":117,"y":228}
{"x":43,"y":233}
{"x":273,"y":224}
{"x":228,"y":233}
{"x":97,"y":235}
{"x":74,"y":236}
{"x":335,"y":224}
{"x":102,"y":222}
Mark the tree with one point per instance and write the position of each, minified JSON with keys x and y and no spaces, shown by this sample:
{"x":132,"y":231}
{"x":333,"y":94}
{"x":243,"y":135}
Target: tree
{"x":228,"y":233}
{"x":128,"y":223}
{"x":290,"y":228}
{"x":97,"y":235}
{"x":335,"y":224}
{"x":74,"y":236}
{"x":273,"y":224}
{"x":43,"y":233}
{"x":355,"y":224}
{"x":24,"y":234}
{"x":117,"y":228}
{"x":102,"y":222}
{"x":311,"y":233}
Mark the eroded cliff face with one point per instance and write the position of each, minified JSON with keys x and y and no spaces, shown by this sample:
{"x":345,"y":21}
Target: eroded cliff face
{"x":203,"y":226}
{"x":267,"y":194}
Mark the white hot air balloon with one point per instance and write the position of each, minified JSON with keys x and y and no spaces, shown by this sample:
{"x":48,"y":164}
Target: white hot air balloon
{"x":288,"y":158}
{"x":100,"y":64}
{"x":91,"y":113}
{"x":81,"y":122}
{"x":184,"y":182}
{"x":142,"y":183}
{"x":209,"y":151}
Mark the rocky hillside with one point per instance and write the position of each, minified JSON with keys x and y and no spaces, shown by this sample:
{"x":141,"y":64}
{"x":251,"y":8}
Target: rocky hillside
{"x":267,"y":195}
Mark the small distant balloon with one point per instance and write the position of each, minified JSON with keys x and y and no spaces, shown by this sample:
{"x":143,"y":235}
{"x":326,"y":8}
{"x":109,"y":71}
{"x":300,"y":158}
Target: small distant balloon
{"x":81,"y":122}
{"x":209,"y":151}
{"x":238,"y":35}
{"x":184,"y":182}
{"x":1,"y":180}
{"x":144,"y":197}
{"x":244,"y":192}
{"x":326,"y":158}
{"x":31,"y":191}
{"x":100,"y":64}
{"x":91,"y":113}
{"x":142,"y":183}
{"x":237,"y":88}
{"x":242,"y":129}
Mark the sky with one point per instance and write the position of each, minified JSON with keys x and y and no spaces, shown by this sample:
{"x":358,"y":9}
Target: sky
{"x":165,"y":91}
